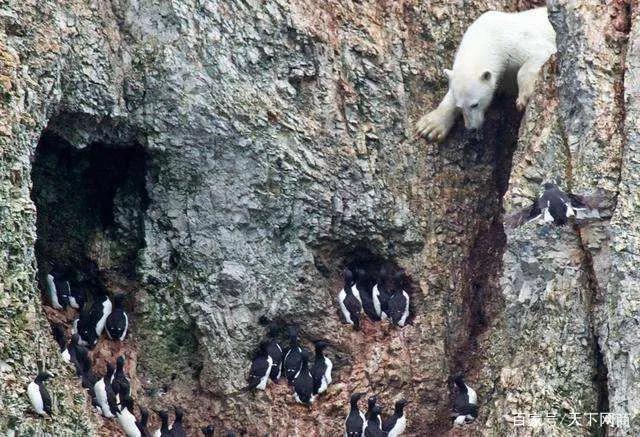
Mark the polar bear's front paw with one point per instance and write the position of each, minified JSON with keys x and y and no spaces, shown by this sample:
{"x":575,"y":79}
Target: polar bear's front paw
{"x":521,"y":102}
{"x":524,"y":95}
{"x":435,"y":125}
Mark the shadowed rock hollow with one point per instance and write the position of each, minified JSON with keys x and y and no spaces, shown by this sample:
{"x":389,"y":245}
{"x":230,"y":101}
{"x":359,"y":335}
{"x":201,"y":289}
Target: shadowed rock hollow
{"x":223,"y":160}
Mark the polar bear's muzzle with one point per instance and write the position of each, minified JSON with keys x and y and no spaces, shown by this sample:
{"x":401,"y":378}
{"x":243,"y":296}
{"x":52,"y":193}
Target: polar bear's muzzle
{"x":473,"y":119}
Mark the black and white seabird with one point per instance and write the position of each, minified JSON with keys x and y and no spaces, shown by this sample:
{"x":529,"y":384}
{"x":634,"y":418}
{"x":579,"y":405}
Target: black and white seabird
{"x":84,"y":328}
{"x":365,"y":290}
{"x":58,"y":334}
{"x":356,"y":421}
{"x":321,"y":369}
{"x":58,"y":289}
{"x":76,"y":353}
{"x":103,"y":308}
{"x":292,"y":360}
{"x":260,"y":368}
{"x":92,"y":320}
{"x":398,"y":304}
{"x":274,"y":350}
{"x":120,"y":383}
{"x":143,"y":423}
{"x":117,"y":322}
{"x":556,"y":206}
{"x":349,"y":300}
{"x":381,"y":294}
{"x":87,"y":376}
{"x":371,"y":402}
{"x":177,"y":429}
{"x":303,"y":382}
{"x":465,"y":404}
{"x":102,"y":390}
{"x":374,"y":423}
{"x":395,"y":425}
{"x":207,"y":431}
{"x":126,"y":418}
{"x":164,"y":430}
{"x":39,"y":395}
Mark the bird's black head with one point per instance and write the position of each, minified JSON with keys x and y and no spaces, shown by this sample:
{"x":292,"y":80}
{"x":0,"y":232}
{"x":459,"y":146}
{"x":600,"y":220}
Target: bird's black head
{"x":110,"y":370}
{"x":273,"y":329}
{"x":306,"y":355}
{"x":399,"y":279}
{"x":118,"y":300}
{"x":208,"y":430}
{"x":58,"y":334}
{"x":293,"y":331}
{"x":262,"y":348}
{"x":179,"y":413}
{"x":163,"y":415}
{"x":144,"y":415}
{"x":400,"y":405}
{"x":349,"y":280}
{"x":120,"y":362}
{"x":321,"y":345}
{"x":371,"y":402}
{"x":43,"y":376}
{"x":355,"y":397}
{"x":549,"y":186}
{"x":459,"y":379}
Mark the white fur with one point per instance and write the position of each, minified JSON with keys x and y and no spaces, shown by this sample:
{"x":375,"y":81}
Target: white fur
{"x":503,"y":44}
{"x":101,"y":397}
{"x":53,"y":293}
{"x":127,"y":422}
{"x":36,"y":400}
{"x":405,"y":314}
{"x":399,"y":427}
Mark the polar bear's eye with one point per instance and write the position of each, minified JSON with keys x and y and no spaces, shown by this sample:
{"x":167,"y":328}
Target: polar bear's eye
{"x":474,"y":106}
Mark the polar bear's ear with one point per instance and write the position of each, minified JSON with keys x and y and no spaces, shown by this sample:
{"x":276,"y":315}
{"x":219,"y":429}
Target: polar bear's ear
{"x":486,"y":76}
{"x":448,"y":73}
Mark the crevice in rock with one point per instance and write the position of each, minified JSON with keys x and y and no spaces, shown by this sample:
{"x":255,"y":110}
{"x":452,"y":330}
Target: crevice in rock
{"x":90,"y":205}
{"x":593,"y":299}
{"x":481,"y":298}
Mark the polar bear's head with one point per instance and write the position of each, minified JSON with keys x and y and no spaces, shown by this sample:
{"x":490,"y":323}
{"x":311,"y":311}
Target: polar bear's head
{"x":472,"y":94}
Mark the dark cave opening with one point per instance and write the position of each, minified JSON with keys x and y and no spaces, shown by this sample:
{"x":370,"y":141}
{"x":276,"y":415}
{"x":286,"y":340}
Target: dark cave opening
{"x":332,"y":258}
{"x":90,"y":207}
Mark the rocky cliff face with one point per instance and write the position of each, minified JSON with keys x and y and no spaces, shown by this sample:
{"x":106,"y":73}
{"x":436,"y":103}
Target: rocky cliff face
{"x":223,"y":160}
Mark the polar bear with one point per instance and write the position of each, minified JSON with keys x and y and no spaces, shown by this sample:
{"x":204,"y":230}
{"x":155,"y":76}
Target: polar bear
{"x":498,"y":46}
